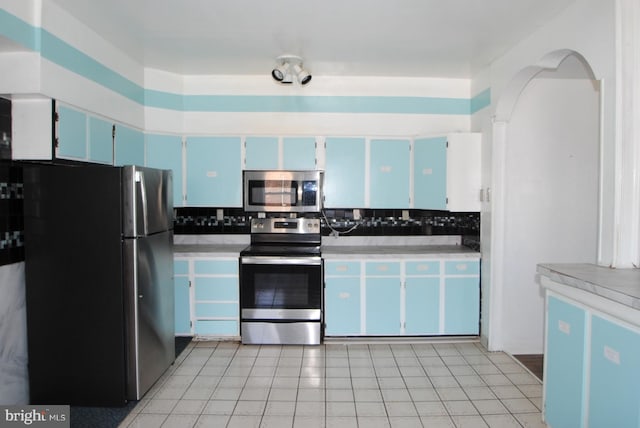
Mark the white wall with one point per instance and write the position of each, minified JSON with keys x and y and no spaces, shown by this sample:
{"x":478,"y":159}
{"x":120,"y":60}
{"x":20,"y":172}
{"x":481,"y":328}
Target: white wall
{"x":551,"y":197}
{"x":588,"y":29}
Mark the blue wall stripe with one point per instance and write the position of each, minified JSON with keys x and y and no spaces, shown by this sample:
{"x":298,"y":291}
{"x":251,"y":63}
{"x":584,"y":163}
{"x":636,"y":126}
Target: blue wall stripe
{"x":326,"y":104}
{"x":481,"y":100}
{"x":56,"y":50}
{"x":19,"y":31}
{"x":60,"y":52}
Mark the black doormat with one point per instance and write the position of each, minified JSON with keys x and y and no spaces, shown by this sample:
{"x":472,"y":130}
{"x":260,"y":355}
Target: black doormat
{"x":111,"y":417}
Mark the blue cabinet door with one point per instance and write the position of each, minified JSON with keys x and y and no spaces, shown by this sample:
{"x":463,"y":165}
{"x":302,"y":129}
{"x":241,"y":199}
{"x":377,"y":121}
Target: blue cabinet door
{"x":165,"y":152}
{"x":214,"y":171}
{"x":342,"y":306}
{"x":182,"y":306}
{"x":383,"y":306}
{"x":422,"y":306}
{"x":462,"y":306}
{"x":565,"y":364}
{"x":299,"y":153}
{"x":129,"y":148}
{"x":389,"y":174}
{"x":100,"y":141}
{"x":72,"y":133}
{"x":261,"y":153}
{"x":430,"y":173}
{"x":614,"y":387}
{"x":344,"y":177}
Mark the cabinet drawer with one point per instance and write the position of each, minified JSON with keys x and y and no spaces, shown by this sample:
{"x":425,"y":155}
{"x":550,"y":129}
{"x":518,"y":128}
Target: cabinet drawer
{"x":383,"y":268}
{"x":341,"y":268}
{"x":462,"y":267}
{"x":423,"y":268}
{"x":216,"y":289}
{"x":181,"y":267}
{"x":211,"y":310}
{"x":216,"y":327}
{"x":216,"y":267}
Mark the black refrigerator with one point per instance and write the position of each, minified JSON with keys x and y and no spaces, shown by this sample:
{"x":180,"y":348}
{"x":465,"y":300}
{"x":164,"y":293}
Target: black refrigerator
{"x":99,"y":282}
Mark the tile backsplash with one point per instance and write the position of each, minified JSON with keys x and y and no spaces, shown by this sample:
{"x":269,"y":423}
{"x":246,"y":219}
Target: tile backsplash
{"x":370,"y":222}
{"x":11,"y":212}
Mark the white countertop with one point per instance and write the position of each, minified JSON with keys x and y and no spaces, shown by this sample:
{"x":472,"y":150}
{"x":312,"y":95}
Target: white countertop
{"x":376,"y":247}
{"x":619,"y":285}
{"x":209,"y":245}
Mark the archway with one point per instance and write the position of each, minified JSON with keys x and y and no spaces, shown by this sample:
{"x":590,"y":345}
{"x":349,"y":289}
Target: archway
{"x":546,"y":149}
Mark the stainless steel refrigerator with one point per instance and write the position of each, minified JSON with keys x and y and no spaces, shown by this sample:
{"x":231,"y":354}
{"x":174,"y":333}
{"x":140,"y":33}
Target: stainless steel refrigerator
{"x":99,"y":282}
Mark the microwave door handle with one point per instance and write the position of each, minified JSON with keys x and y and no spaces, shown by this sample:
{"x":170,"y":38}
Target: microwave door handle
{"x":143,"y":196}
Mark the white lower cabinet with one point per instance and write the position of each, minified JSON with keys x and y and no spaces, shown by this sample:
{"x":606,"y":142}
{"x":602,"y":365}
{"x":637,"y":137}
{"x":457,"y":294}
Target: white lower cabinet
{"x":212,"y":305}
{"x":428,"y":297}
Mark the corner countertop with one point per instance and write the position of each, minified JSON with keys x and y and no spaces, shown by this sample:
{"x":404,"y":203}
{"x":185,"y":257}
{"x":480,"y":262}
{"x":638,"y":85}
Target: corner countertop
{"x":619,"y":285}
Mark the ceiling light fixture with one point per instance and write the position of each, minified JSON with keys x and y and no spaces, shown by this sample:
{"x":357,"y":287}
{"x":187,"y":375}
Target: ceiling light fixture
{"x":289,"y":66}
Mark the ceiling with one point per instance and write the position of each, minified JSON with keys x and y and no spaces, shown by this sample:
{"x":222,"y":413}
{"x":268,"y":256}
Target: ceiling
{"x":433,"y":38}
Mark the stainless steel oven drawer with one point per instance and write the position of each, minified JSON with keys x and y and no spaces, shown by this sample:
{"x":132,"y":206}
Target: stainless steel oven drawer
{"x":282,"y":314}
{"x":280,"y":333}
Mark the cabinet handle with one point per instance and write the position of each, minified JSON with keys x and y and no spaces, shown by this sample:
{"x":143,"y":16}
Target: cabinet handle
{"x":386,"y":168}
{"x":423,"y":268}
{"x":344,"y":295}
{"x":383,"y":268}
{"x":342,"y":268}
{"x":461,"y":266}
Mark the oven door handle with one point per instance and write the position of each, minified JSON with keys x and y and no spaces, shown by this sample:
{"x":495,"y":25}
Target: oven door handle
{"x":260,"y":260}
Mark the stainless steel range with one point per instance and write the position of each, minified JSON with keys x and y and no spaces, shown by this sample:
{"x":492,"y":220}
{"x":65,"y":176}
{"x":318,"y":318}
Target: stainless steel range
{"x":281,"y":286}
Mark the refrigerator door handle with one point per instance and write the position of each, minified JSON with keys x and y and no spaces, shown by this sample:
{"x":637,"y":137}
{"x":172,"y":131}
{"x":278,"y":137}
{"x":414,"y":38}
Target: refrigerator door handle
{"x":143,"y":196}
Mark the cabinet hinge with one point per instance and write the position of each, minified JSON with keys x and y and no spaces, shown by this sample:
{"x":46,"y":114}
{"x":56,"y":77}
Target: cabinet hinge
{"x":113,"y":131}
{"x":189,"y":284}
{"x":447,"y":144}
{"x":56,"y":116}
{"x":190,"y":324}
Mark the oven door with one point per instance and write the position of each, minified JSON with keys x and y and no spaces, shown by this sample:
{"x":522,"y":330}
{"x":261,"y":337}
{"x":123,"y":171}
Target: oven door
{"x":281,"y":288}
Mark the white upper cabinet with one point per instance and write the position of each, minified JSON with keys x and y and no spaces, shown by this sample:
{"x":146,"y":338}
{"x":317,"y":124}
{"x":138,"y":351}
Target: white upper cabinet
{"x":464,"y":172}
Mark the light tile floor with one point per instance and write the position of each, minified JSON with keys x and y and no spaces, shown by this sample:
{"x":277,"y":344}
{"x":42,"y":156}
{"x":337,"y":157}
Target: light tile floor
{"x":225,"y":384}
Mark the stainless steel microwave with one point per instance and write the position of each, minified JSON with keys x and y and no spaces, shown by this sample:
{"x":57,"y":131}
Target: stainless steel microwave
{"x":283,"y":191}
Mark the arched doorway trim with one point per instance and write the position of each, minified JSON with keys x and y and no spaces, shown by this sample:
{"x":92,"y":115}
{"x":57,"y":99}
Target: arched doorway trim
{"x":550,"y":61}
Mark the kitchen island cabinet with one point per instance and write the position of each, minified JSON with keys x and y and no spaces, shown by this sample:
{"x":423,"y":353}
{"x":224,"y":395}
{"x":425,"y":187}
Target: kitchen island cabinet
{"x":592,"y":346}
